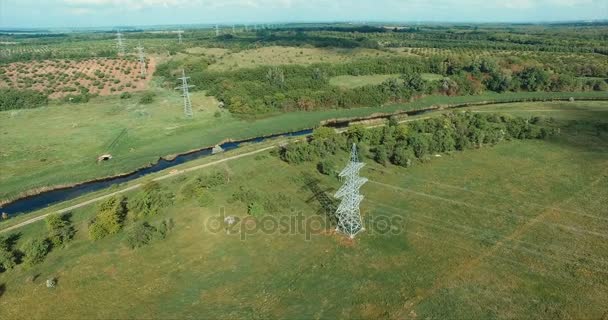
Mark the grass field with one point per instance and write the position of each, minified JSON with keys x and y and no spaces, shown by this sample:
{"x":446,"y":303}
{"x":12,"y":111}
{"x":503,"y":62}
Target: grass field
{"x":59,"y":144}
{"x":517,"y":230}
{"x":350,"y":82}
{"x":276,"y":55}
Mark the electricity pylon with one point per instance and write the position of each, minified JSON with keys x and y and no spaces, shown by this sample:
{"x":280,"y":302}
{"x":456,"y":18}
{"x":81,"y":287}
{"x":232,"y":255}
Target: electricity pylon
{"x":120,"y":44}
{"x":142,"y":60}
{"x":185,"y":88}
{"x":217,"y":30}
{"x":179,"y":36}
{"x":348,"y":213}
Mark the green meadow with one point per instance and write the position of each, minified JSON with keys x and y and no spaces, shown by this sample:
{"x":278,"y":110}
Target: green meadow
{"x":515,"y":230}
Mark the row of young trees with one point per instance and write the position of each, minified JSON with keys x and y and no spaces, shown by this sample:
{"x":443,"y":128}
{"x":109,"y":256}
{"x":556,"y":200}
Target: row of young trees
{"x":406,"y":144}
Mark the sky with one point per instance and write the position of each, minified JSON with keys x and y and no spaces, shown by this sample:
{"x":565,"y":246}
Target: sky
{"x":109,"y":13}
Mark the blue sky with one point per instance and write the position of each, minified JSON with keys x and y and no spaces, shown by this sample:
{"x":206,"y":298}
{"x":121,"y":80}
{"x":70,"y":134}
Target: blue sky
{"x":92,"y":13}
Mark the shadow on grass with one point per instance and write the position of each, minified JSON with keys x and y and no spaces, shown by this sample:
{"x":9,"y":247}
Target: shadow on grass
{"x":328,"y":204}
{"x":2,"y":289}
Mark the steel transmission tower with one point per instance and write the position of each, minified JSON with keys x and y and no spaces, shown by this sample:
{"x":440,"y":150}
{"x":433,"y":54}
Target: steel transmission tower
{"x":217,"y":30}
{"x":185,"y":88}
{"x":349,"y":217}
{"x":142,"y":60}
{"x":179,"y":35}
{"x":120,"y":44}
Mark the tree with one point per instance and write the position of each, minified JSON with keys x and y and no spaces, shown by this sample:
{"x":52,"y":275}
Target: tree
{"x":498,"y":82}
{"x":141,"y":235}
{"x":60,"y":229}
{"x":35,"y":250}
{"x":8,"y":257}
{"x":109,"y":219}
{"x":403,"y":156}
{"x":534,"y":79}
{"x":420,"y":144}
{"x":414,"y":82}
{"x":381,"y":155}
{"x":326,"y":167}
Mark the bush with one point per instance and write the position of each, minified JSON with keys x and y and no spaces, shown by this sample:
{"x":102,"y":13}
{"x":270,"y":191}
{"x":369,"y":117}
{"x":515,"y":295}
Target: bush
{"x":143,"y":233}
{"x":60,"y":229}
{"x":255,"y":209}
{"x":35,"y":251}
{"x":12,"y":99}
{"x":326,"y":167}
{"x":403,"y":156}
{"x":150,"y":200}
{"x":147,"y":98}
{"x":126,"y":95}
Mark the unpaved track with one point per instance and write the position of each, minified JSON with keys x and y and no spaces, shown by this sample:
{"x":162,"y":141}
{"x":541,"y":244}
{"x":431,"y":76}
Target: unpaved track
{"x":134,"y":187}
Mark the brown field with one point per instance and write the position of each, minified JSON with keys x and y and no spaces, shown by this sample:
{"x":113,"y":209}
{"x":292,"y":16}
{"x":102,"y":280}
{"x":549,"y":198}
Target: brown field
{"x":59,"y":78}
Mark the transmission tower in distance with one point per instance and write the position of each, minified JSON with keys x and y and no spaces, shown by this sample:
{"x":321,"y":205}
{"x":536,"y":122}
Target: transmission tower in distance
{"x":179,"y":36}
{"x":142,"y":60}
{"x":348,"y":213}
{"x":120,"y":43}
{"x":217,"y":30}
{"x":186,"y":94}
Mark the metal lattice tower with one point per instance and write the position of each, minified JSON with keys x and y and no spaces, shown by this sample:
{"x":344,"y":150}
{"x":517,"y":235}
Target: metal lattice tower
{"x":233,"y":29}
{"x":349,"y":216}
{"x":179,"y":36}
{"x":120,"y":44}
{"x":185,"y":88}
{"x":142,"y":60}
{"x":217,"y":30}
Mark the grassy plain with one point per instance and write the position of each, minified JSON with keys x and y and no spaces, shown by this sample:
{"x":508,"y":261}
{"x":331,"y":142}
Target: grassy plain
{"x":276,"y":55}
{"x":59,"y":144}
{"x":516,"y":230}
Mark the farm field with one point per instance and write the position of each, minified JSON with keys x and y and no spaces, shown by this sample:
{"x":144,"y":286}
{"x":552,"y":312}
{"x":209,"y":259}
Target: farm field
{"x":59,"y":78}
{"x":471,"y":228}
{"x":69,"y":138}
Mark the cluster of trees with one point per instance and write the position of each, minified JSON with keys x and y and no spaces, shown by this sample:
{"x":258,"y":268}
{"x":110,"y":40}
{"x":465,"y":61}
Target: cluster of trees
{"x":295,"y":87}
{"x":404,"y":144}
{"x":12,"y":99}
{"x":115,"y":213}
{"x":200,"y":187}
{"x":60,"y":231}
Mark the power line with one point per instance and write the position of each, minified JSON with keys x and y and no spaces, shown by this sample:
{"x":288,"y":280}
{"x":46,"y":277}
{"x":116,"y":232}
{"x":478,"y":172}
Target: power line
{"x":120,"y":45}
{"x":186,"y":94}
{"x":142,"y":61}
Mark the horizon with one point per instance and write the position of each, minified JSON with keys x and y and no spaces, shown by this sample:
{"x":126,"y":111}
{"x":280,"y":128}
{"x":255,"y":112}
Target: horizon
{"x":82,"y":14}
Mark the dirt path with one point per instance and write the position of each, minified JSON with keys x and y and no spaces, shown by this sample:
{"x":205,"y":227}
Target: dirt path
{"x":134,"y":187}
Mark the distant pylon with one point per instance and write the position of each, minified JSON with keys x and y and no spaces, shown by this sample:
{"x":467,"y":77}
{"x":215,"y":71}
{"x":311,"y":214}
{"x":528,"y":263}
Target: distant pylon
{"x":233,"y":29}
{"x":217,"y":30}
{"x":186,"y":94}
{"x":179,"y":36}
{"x":142,"y":60}
{"x":120,"y":44}
{"x":348,"y":213}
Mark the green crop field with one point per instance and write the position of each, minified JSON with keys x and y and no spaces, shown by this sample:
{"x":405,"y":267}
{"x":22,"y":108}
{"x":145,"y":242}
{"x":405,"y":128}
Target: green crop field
{"x":516,"y":230}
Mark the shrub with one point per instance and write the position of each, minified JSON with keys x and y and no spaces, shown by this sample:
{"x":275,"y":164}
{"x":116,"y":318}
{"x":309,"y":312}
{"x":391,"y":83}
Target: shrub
{"x":125,"y":95}
{"x":35,"y":251}
{"x":60,"y":229}
{"x":403,"y":156}
{"x":147,"y":98}
{"x":150,"y":200}
{"x":143,"y":233}
{"x":255,"y":209}
{"x":12,"y":99}
{"x":326,"y":167}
